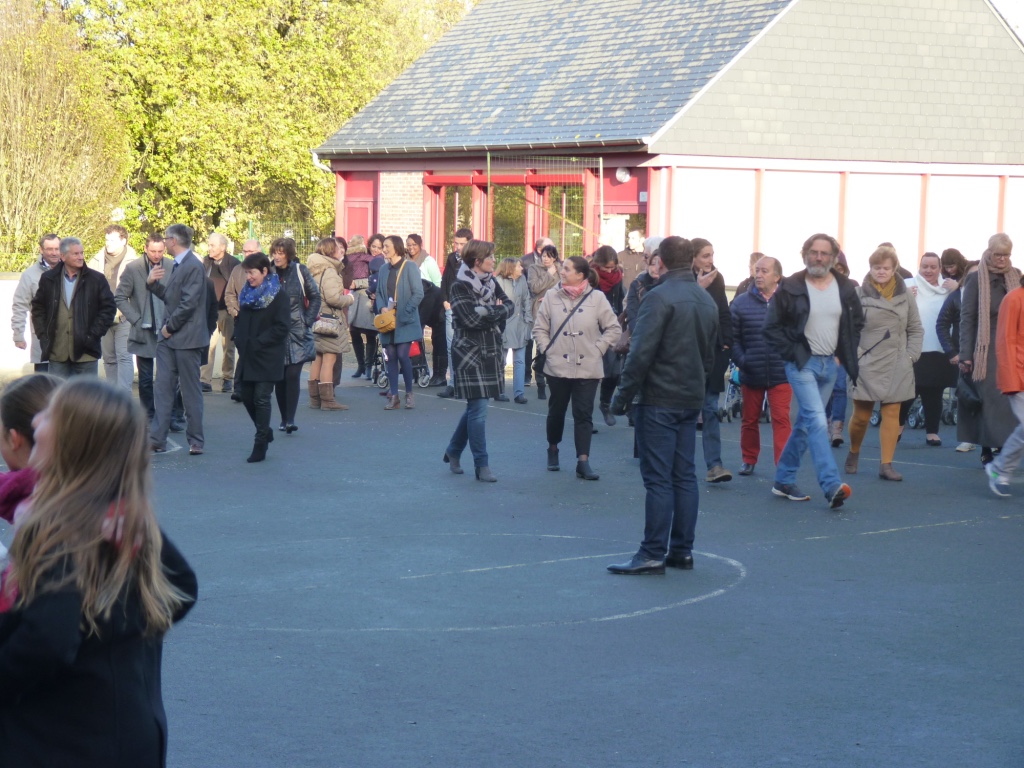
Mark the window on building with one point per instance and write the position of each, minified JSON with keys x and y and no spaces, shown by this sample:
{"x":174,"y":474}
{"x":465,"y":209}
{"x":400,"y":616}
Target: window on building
{"x":509,"y":223}
{"x":564,"y":206}
{"x":458,"y":212}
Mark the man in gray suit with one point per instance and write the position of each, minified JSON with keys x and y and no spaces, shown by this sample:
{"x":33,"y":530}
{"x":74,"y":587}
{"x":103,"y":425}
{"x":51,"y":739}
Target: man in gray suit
{"x":181,"y":341}
{"x":145,"y":312}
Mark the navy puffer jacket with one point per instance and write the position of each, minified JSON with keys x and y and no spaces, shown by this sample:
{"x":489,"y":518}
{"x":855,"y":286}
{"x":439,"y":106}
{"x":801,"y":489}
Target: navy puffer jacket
{"x":760,"y":366}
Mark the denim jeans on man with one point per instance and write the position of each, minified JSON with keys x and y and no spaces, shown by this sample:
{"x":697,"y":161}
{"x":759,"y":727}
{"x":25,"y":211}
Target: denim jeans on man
{"x":66,"y":369}
{"x":812,"y":387}
{"x":711,"y":431}
{"x":471,"y":429}
{"x":449,"y":334}
{"x":667,"y":440}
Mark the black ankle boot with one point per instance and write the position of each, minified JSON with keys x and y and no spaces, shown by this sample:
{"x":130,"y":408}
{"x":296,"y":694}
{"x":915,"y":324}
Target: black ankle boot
{"x":584,"y":472}
{"x":541,"y":394}
{"x":259,"y":452}
{"x":553,"y":460}
{"x":359,"y":372}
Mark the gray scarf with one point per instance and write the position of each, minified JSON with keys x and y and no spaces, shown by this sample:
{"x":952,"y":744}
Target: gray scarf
{"x":482,"y":285}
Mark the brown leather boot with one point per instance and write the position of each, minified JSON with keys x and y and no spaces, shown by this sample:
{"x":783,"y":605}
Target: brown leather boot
{"x":886,"y":472}
{"x":394,"y":403}
{"x":327,"y":401}
{"x":851,"y":463}
{"x":835,"y":433}
{"x":314,"y":394}
{"x":410,"y":402}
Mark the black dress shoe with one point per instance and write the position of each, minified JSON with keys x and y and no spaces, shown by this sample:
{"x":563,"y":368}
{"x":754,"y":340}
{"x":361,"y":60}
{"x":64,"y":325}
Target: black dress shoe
{"x":682,"y":562}
{"x":206,"y":387}
{"x":747,"y":469}
{"x":447,"y":392}
{"x":501,"y":399}
{"x":437,"y":381}
{"x":236,"y":396}
{"x":639,"y":566}
{"x":521,"y":400}
{"x":291,"y":428}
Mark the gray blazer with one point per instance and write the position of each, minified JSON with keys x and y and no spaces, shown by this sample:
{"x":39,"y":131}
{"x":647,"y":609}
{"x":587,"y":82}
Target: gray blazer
{"x":184,"y":298}
{"x":141,"y":307}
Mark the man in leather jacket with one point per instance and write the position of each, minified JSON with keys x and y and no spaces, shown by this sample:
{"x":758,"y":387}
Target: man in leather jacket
{"x":671,"y":350}
{"x":814,"y":318}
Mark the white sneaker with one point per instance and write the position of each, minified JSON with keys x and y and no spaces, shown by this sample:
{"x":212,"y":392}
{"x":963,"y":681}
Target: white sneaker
{"x":965,"y":447}
{"x":996,"y":482}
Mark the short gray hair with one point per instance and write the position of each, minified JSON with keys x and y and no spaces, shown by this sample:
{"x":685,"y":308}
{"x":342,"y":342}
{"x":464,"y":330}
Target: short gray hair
{"x":219,"y":238}
{"x":181,"y":233}
{"x":651,"y":245}
{"x":67,"y":242}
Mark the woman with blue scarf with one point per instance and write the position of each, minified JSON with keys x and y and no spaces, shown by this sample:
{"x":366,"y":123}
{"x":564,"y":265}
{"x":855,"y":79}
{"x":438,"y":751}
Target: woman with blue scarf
{"x":261,"y":332}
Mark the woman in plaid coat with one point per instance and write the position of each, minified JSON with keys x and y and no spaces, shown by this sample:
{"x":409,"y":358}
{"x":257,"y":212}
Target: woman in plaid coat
{"x":479,"y":311}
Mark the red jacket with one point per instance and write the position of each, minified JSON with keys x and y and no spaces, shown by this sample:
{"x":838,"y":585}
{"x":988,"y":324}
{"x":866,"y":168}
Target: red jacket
{"x":1010,"y":343}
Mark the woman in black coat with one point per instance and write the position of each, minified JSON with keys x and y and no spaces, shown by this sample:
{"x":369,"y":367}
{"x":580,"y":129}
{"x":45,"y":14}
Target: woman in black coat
{"x":304,"y":305}
{"x":712,"y":281}
{"x":261,"y":334}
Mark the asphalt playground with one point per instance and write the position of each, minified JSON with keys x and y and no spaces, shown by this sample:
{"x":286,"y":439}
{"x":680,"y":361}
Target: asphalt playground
{"x":361,"y":606}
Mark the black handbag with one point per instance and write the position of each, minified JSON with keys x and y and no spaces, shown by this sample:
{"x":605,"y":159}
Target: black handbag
{"x":541,"y":357}
{"x":968,"y":396}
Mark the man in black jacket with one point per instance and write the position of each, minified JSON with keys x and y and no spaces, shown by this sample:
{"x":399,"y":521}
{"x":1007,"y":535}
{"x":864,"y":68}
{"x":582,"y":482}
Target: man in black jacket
{"x":71,"y":312}
{"x":671,"y":350}
{"x":451,"y":269}
{"x":814,"y":318}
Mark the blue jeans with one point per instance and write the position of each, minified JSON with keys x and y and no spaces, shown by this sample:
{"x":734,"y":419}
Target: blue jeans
{"x":449,"y":333}
{"x":471,"y":430}
{"x":811,"y":387}
{"x":518,"y":370}
{"x":68,"y":368}
{"x":836,"y":409}
{"x":711,"y":432}
{"x":667,"y":441}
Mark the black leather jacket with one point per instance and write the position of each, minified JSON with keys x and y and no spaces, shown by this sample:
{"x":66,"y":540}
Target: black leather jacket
{"x":93,"y":311}
{"x":673,"y":344}
{"x":787,"y":318}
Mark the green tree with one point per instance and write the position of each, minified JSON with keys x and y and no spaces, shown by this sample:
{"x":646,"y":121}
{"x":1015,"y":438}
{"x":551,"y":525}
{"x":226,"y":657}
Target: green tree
{"x":63,"y":153}
{"x":225,"y":99}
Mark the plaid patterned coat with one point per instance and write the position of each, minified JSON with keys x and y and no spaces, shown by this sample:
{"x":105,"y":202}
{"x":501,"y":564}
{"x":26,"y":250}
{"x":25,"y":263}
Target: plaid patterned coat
{"x":476,"y":345}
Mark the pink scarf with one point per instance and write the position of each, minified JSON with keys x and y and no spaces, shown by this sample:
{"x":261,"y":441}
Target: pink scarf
{"x":574,"y":292}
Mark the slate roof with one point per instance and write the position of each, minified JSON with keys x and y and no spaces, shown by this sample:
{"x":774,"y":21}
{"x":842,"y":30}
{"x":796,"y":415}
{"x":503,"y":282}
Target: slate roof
{"x":555,"y":73}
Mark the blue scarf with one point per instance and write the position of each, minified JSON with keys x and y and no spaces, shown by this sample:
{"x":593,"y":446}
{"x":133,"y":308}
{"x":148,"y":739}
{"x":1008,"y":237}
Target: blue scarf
{"x":260,"y":297}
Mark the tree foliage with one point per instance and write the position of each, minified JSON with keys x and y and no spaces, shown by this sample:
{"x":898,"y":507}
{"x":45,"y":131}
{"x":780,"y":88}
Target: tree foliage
{"x":63,"y":149}
{"x":224,"y":99}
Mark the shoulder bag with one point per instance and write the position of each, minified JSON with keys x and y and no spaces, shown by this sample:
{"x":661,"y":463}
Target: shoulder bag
{"x":326,"y":324}
{"x":542,"y":357}
{"x":386,"y":320}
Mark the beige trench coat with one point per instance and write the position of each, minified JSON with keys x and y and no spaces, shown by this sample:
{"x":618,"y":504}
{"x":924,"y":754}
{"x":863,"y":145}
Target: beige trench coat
{"x":578,"y":351}
{"x":887,"y":362}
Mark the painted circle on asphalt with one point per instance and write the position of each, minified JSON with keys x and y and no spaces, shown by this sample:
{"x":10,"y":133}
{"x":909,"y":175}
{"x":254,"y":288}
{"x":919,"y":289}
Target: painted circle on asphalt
{"x":457,"y":582}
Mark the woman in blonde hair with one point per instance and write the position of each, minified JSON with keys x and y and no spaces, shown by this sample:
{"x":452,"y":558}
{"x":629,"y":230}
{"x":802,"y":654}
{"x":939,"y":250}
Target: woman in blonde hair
{"x":92,"y":587}
{"x":890,"y":344}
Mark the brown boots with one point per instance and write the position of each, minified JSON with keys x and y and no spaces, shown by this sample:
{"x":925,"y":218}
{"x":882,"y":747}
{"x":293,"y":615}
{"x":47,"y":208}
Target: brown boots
{"x":886,"y":472}
{"x":326,"y":397}
{"x":851,"y":463}
{"x":835,"y":433}
{"x":314,"y":394}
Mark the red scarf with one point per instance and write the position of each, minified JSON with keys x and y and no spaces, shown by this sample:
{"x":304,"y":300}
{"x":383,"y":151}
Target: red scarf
{"x":608,"y":280}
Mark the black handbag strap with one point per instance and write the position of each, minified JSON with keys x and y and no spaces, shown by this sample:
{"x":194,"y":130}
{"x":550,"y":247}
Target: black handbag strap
{"x":565,"y":322}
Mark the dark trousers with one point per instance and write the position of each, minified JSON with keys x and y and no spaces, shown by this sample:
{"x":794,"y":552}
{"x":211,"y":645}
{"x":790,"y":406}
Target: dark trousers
{"x":529,"y":359}
{"x":398,"y":357}
{"x":931,"y":401}
{"x":145,"y":366}
{"x":668,"y":440}
{"x":581,"y":393}
{"x":287,"y":391}
{"x":256,"y":399}
{"x":439,"y":358}
{"x":41,"y":367}
{"x":364,"y":353}
{"x":608,"y":385}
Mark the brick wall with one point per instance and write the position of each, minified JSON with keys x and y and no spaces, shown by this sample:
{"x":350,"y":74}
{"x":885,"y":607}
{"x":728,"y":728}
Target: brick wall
{"x":401,"y":203}
{"x":890,"y":80}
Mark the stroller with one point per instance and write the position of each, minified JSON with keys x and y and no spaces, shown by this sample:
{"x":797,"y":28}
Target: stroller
{"x":418,"y":358}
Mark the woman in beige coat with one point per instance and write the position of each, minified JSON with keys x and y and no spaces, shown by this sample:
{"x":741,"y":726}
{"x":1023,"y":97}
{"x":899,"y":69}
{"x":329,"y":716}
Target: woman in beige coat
{"x":890,"y":343}
{"x":574,"y":366}
{"x":325,"y":266}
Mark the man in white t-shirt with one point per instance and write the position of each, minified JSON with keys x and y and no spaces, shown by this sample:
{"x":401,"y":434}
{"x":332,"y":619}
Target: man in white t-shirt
{"x":814,"y":319}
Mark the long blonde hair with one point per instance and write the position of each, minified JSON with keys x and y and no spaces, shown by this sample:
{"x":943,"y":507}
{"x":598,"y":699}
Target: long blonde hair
{"x":91,"y":524}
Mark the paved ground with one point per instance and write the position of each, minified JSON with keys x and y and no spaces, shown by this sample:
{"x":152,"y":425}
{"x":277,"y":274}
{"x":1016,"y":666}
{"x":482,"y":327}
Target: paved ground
{"x":360,"y":606}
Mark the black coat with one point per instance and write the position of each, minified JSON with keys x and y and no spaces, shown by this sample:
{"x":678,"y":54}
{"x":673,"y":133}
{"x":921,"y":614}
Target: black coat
{"x":947,"y":327}
{"x":92,"y":307}
{"x":71,"y":700}
{"x":716,"y":376}
{"x":760,"y":365}
{"x":300,"y":292}
{"x":432,"y":306}
{"x":260,"y":338}
{"x":673,"y":344}
{"x":787,"y":319}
